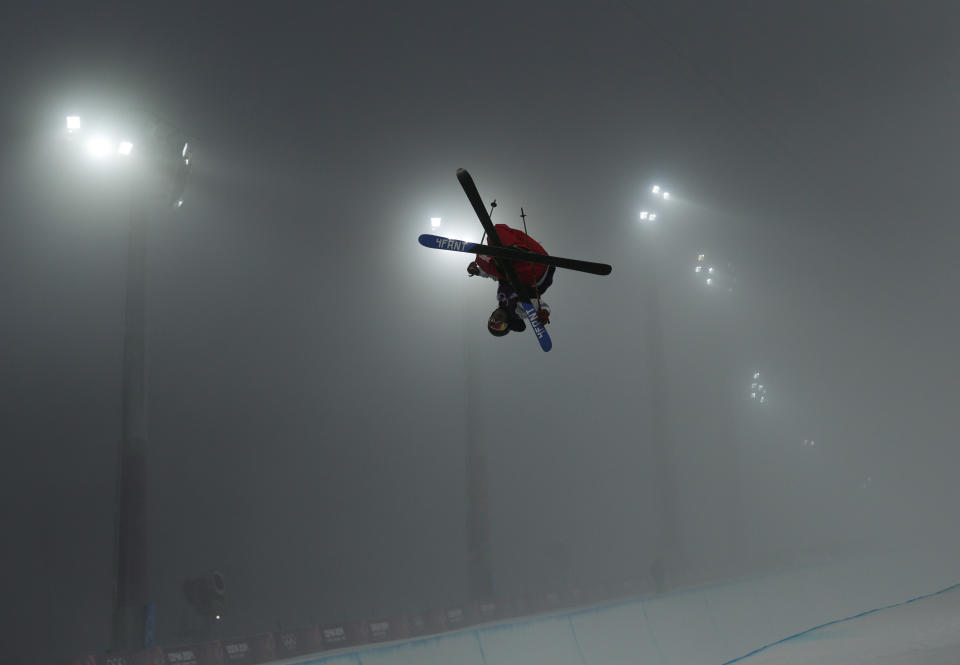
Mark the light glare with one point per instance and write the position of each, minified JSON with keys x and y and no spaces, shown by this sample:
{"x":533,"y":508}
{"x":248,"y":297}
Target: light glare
{"x":644,"y":214}
{"x":666,"y":195}
{"x":435,"y":222}
{"x":656,"y":189}
{"x":98,"y":147}
{"x":73,"y":123}
{"x":125,"y":148}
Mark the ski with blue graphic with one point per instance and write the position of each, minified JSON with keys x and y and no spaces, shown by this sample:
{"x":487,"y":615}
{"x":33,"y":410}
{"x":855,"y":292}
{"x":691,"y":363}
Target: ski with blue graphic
{"x":542,"y":336}
{"x":512,"y":254}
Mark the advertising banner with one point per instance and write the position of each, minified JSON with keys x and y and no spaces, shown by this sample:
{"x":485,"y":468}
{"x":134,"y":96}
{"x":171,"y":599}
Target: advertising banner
{"x":207,"y":653}
{"x":154,"y":656}
{"x":387,"y":630}
{"x":249,"y":650}
{"x":455,"y":618}
{"x":299,"y":641}
{"x":485,"y":611}
{"x":340,"y":635}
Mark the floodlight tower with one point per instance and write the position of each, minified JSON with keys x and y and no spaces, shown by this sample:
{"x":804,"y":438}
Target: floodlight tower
{"x":156,"y":159}
{"x":668,"y":554}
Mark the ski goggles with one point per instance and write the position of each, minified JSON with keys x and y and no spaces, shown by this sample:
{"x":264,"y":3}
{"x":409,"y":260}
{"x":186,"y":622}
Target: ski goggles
{"x":497,"y":326}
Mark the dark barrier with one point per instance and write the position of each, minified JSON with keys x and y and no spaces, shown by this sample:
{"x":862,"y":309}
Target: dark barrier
{"x":551,"y":601}
{"x":490,"y":610}
{"x":387,"y":630}
{"x":250,"y":650}
{"x":340,"y":635}
{"x":89,"y":659}
{"x":207,"y":653}
{"x":153,"y":656}
{"x":455,"y":618}
{"x":417,"y":624}
{"x":295,"y":642}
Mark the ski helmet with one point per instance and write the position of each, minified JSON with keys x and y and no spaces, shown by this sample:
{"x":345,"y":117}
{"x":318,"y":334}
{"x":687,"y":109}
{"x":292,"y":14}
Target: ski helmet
{"x":497,"y":324}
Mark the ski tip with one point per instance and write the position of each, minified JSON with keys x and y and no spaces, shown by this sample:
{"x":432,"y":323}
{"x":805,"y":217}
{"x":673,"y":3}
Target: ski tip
{"x":426,"y":239}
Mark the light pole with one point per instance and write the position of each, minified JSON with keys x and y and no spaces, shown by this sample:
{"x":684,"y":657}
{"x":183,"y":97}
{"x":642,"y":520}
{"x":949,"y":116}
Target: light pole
{"x":479,"y":558}
{"x":160,"y":157}
{"x":666,"y":559}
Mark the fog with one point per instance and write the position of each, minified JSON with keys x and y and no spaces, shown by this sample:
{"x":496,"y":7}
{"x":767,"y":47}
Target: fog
{"x":315,"y":377}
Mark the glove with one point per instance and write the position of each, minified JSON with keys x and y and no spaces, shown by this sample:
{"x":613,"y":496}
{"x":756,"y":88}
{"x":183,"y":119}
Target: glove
{"x":544,"y":315}
{"x":473,"y":269}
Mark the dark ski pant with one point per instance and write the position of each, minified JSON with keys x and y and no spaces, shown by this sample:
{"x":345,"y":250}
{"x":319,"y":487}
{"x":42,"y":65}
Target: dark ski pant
{"x":507,"y":297}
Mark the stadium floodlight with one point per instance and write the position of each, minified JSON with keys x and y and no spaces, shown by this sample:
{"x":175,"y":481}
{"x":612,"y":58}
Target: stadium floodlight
{"x":73,"y":123}
{"x":666,"y":195}
{"x":435,"y":222}
{"x":179,"y":203}
{"x":758,"y":391}
{"x":709,"y":281}
{"x":656,"y":189}
{"x":710,"y":270}
{"x":644,"y":214}
{"x":698,"y":269}
{"x":99,"y":146}
{"x":125,"y":148}
{"x":653,"y":216}
{"x":186,"y":149}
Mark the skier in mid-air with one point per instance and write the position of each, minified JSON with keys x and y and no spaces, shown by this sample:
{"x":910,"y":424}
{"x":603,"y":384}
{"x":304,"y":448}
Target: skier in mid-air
{"x":522,"y":267}
{"x":538,"y":277}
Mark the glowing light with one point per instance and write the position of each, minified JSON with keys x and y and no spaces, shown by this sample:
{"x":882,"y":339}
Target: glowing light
{"x":125,"y":148}
{"x":653,"y":216}
{"x":710,"y":270}
{"x":73,"y":123}
{"x":656,"y":189}
{"x":217,"y":617}
{"x":179,"y":203}
{"x":186,"y":147}
{"x":758,"y":392}
{"x":435,"y":222}
{"x":709,"y":281}
{"x":698,"y":269}
{"x":666,"y":196}
{"x":644,"y":215}
{"x":99,"y":147}
{"x":701,"y":257}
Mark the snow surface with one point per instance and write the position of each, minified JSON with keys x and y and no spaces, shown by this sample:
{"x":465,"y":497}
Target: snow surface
{"x":925,"y":632}
{"x":887,"y":609}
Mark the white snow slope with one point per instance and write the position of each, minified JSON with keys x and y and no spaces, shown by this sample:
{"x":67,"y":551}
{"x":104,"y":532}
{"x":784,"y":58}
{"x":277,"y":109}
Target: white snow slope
{"x":888,"y":609}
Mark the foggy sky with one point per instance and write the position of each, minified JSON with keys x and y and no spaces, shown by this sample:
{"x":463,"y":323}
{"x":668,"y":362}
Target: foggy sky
{"x":313,"y":373}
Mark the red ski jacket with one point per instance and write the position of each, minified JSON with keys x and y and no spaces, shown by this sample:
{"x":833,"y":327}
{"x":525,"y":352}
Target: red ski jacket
{"x":528,"y":273}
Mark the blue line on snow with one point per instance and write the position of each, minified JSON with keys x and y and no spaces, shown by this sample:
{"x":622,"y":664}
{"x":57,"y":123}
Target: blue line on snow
{"x":836,"y":621}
